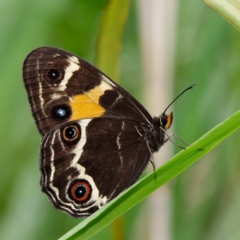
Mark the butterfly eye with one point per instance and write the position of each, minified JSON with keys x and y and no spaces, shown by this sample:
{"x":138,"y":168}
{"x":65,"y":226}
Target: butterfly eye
{"x":80,"y":191}
{"x":71,"y":133}
{"x":54,"y":74}
{"x":61,"y":112}
{"x":163,"y":120}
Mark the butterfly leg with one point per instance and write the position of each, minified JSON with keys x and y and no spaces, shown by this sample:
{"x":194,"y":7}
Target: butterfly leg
{"x":169,"y":137}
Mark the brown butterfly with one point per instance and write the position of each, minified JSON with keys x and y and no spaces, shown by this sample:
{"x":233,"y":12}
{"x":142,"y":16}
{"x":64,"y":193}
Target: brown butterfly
{"x":96,"y":138}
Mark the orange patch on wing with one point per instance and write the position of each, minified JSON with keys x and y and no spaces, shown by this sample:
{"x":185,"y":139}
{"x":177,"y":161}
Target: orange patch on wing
{"x":87,"y":105}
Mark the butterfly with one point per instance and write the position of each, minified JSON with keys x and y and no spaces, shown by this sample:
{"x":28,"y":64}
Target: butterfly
{"x":96,"y":138}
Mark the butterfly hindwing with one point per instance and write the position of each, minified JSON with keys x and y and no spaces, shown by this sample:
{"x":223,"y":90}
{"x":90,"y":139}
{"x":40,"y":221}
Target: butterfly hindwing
{"x":87,"y":159}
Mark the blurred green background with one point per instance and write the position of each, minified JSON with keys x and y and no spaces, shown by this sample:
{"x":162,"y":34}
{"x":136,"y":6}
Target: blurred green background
{"x":205,"y":198}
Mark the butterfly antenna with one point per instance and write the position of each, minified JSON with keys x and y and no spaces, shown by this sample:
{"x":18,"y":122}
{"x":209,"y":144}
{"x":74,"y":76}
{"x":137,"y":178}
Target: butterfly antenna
{"x":190,"y":87}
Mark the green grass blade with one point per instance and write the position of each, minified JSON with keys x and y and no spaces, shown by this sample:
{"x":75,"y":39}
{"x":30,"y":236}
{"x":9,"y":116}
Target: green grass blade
{"x":109,"y":41}
{"x":147,"y":185}
{"x":108,"y":52}
{"x":230,"y":10}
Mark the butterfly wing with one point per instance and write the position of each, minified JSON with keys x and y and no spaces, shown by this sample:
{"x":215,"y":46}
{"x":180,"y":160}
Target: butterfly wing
{"x":87,"y":163}
{"x":62,"y":87}
{"x":94,"y":141}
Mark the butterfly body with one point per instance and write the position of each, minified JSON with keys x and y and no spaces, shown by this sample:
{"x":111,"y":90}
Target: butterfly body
{"x":96,"y":138}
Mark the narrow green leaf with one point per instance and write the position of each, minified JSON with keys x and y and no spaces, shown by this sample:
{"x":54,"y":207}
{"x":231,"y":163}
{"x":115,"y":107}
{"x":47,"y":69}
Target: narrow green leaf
{"x":109,"y":42}
{"x":109,"y":46}
{"x":230,"y":10}
{"x":147,"y":185}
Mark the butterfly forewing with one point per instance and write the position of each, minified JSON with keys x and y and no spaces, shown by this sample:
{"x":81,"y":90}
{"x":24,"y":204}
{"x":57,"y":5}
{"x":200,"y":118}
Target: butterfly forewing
{"x":63,"y":87}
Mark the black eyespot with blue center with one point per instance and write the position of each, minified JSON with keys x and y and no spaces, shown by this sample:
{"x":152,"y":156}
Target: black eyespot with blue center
{"x":54,"y":74}
{"x":80,"y":191}
{"x":61,"y":112}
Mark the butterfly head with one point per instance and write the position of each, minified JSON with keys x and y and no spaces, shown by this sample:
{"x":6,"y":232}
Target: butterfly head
{"x":166,"y":120}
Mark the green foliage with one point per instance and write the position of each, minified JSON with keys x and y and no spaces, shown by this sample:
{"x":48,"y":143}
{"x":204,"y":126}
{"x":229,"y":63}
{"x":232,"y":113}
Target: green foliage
{"x":110,"y":37}
{"x":227,"y":9}
{"x":205,"y":197}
